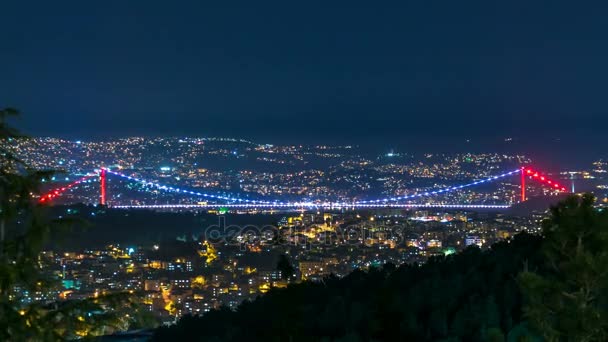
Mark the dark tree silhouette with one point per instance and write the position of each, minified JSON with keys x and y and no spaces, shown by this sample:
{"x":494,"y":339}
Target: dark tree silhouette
{"x":24,"y":229}
{"x":567,"y":298}
{"x":284,"y":265}
{"x":469,"y":296}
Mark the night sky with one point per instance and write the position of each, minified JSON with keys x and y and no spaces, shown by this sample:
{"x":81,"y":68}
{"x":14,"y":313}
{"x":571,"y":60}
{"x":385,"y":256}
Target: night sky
{"x":307,"y":71}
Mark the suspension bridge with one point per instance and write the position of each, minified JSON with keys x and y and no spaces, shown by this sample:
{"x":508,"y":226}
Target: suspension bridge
{"x":225,"y":201}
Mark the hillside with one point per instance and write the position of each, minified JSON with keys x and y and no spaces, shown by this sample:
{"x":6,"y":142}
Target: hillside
{"x":471,"y":296}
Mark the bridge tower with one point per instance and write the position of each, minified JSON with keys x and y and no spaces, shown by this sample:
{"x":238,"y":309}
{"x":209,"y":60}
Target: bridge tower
{"x":523,"y":184}
{"x":102,"y":186}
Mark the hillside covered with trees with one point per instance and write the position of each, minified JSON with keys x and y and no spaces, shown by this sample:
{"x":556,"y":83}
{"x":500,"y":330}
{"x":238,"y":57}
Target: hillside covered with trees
{"x":527,"y":289}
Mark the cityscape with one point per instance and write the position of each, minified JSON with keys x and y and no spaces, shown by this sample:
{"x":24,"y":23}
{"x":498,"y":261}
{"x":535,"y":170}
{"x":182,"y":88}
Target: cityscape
{"x":314,"y":171}
{"x":211,"y":262}
{"x":242,"y":170}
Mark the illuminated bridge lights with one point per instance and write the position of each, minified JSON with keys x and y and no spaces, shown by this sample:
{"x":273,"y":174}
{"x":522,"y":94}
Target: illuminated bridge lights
{"x":59,"y":191}
{"x":450,"y":189}
{"x":544,"y":180}
{"x":309,"y":205}
{"x":252,"y":204}
{"x":183,"y":191}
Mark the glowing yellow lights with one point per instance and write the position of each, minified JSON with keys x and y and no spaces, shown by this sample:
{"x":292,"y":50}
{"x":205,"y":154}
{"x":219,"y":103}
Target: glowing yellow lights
{"x":250,"y":270}
{"x":210,"y":253}
{"x":82,"y":333}
{"x":169,"y":304}
{"x":154,"y":264}
{"x":255,"y":249}
{"x":264,"y":287}
{"x":64,"y":294}
{"x":198,"y":282}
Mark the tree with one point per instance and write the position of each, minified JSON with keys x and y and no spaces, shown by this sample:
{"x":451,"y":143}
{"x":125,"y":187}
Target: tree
{"x":566,"y":300}
{"x":438,"y":323}
{"x":284,"y":265}
{"x":494,"y":335}
{"x":492,"y":316}
{"x":24,"y":230}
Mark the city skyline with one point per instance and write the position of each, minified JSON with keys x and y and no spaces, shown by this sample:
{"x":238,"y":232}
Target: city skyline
{"x":401,"y":73}
{"x":294,"y":171}
{"x":239,"y":173}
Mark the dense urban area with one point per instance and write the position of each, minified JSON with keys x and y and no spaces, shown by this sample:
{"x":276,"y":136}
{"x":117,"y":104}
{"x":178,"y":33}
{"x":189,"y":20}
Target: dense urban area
{"x":190,"y":262}
{"x":194,"y":273}
{"x":328,"y":171}
{"x":243,"y":169}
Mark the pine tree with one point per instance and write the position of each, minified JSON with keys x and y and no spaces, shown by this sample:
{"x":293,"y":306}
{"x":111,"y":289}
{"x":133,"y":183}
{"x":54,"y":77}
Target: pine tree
{"x":567,"y":300}
{"x":24,"y":229}
{"x":438,"y":323}
{"x":492,"y":316}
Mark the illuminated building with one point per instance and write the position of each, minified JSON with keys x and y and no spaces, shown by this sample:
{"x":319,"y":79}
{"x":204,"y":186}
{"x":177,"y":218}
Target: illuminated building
{"x":474,"y":240}
{"x":434,"y":244}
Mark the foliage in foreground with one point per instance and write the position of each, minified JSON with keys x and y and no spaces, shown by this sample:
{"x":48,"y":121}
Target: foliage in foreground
{"x":532,"y":288}
{"x":25,"y":227}
{"x":567,"y":300}
{"x":471,"y":296}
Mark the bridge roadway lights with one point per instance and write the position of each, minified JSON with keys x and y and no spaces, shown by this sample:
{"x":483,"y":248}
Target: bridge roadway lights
{"x":246,"y":203}
{"x":311,"y":206}
{"x":253,"y":204}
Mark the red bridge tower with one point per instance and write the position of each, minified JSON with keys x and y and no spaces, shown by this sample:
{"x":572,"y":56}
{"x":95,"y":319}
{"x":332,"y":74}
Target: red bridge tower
{"x":102,"y":185}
